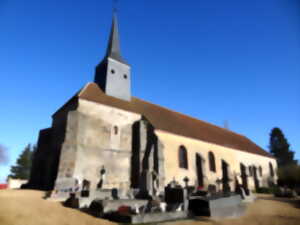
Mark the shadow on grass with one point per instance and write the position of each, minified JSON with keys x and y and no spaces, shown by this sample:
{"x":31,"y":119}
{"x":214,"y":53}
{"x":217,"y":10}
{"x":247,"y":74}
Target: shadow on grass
{"x":289,"y":220}
{"x":295,"y":202}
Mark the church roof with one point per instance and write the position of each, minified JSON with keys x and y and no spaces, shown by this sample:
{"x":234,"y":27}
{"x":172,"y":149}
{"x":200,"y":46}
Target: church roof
{"x":167,"y":120}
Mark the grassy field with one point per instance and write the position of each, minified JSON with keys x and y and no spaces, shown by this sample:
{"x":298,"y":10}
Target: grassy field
{"x":27,"y":207}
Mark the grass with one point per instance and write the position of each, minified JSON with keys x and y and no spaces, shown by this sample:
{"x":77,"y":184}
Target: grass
{"x":27,"y":207}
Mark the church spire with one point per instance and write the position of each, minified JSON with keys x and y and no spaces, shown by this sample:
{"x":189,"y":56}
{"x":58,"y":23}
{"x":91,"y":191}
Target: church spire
{"x":113,"y":49}
{"x":113,"y":73}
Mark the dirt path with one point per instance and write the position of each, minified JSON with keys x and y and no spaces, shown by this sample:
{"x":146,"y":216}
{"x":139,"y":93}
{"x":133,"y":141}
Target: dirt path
{"x":27,"y":207}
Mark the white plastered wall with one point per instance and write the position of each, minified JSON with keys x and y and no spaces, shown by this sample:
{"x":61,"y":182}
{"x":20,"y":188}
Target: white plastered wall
{"x":232,"y":156}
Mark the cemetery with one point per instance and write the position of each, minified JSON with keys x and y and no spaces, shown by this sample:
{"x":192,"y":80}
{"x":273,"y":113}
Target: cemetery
{"x":110,"y":158}
{"x":139,"y":206}
{"x":121,"y":158}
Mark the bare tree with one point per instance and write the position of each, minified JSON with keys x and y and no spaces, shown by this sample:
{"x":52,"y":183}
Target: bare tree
{"x":3,"y":154}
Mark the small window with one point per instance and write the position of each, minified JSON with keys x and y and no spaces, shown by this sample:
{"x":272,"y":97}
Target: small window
{"x":260,"y":171}
{"x":116,"y":130}
{"x":271,"y":170}
{"x":125,"y":76}
{"x":212,"y":163}
{"x":182,"y":155}
{"x":112,"y":71}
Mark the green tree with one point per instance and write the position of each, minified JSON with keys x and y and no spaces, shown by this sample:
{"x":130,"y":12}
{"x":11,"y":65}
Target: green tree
{"x":22,"y":168}
{"x":289,"y":175}
{"x":280,"y":148}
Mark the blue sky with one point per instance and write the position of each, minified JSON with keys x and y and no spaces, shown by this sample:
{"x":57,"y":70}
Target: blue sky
{"x":214,"y":60}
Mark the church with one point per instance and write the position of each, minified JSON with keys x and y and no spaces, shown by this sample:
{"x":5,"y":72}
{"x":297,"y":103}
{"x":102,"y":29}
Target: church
{"x":106,"y":138}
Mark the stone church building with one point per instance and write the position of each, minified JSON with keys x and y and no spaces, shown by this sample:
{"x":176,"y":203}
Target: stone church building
{"x":103,"y":131}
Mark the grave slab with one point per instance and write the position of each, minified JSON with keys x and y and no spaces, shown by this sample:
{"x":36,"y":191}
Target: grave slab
{"x":217,"y":208}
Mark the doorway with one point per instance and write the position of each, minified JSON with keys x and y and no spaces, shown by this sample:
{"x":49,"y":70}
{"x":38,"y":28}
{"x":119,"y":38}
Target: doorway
{"x":244,"y":177}
{"x":256,"y":181}
{"x":199,"y":168}
{"x":225,"y":177}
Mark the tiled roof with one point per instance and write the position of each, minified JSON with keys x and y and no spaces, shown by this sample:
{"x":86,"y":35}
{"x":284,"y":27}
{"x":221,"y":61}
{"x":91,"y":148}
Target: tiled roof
{"x":174,"y":122}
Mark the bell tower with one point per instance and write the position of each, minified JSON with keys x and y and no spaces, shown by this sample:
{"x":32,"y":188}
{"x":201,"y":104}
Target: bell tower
{"x":113,"y":72}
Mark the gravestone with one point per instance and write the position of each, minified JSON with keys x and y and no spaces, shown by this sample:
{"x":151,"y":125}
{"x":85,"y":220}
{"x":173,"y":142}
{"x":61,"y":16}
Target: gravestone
{"x":175,"y":197}
{"x":114,"y":193}
{"x":85,"y":192}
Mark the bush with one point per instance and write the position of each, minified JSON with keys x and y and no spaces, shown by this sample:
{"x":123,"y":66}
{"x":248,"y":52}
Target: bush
{"x":289,"y":176}
{"x":267,"y":190}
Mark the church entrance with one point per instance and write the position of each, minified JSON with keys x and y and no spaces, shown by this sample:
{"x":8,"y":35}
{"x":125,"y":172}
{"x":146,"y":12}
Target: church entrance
{"x":244,"y":177}
{"x":199,"y":168}
{"x":225,"y":177}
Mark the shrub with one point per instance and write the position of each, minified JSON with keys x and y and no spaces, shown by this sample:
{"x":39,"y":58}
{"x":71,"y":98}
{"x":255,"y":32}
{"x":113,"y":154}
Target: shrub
{"x":267,"y":190}
{"x":289,"y":176}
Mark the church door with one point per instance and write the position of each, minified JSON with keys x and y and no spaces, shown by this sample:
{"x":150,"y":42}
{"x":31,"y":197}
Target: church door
{"x":225,"y":177}
{"x":244,"y":177}
{"x":199,"y":169}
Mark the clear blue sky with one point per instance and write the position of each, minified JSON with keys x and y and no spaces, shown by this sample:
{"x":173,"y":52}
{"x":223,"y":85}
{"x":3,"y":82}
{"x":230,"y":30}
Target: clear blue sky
{"x":214,"y":60}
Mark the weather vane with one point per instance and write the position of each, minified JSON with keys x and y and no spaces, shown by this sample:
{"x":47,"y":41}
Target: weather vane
{"x":115,"y":5}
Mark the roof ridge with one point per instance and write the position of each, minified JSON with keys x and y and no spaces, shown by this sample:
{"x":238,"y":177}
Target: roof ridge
{"x":190,"y":117}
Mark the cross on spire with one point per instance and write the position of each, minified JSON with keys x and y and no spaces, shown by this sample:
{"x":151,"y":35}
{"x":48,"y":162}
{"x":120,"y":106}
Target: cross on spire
{"x":115,"y":4}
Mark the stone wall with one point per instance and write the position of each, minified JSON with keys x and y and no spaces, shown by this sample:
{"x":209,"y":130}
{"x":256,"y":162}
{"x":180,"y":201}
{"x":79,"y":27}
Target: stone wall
{"x":38,"y":175}
{"x":232,"y":157}
{"x":46,"y":158}
{"x":15,"y":183}
{"x":98,"y":136}
{"x":86,"y":137}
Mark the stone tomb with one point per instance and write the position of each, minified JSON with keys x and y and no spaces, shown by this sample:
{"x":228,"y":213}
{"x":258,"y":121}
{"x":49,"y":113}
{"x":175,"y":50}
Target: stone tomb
{"x":85,"y":202}
{"x":218,"y":207}
{"x":158,"y":217}
{"x":176,"y":198}
{"x":99,"y":207}
{"x":108,"y":209}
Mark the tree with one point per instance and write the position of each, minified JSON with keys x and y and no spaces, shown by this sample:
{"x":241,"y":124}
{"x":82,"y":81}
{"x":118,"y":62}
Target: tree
{"x":289,"y":176}
{"x":280,"y":148}
{"x":22,"y":168}
{"x":3,"y":155}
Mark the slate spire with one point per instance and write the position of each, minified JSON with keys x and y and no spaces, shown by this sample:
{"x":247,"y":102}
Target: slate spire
{"x":113,"y":49}
{"x":113,"y":73}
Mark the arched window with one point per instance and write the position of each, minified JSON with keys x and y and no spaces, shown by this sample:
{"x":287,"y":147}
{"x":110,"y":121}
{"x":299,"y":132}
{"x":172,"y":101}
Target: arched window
{"x":212,"y":162}
{"x":182,"y":155}
{"x":116,"y":130}
{"x":260,"y":171}
{"x":271,"y":170}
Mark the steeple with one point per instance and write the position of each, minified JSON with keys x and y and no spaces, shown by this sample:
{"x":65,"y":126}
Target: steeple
{"x":113,"y":73}
{"x":113,"y":49}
